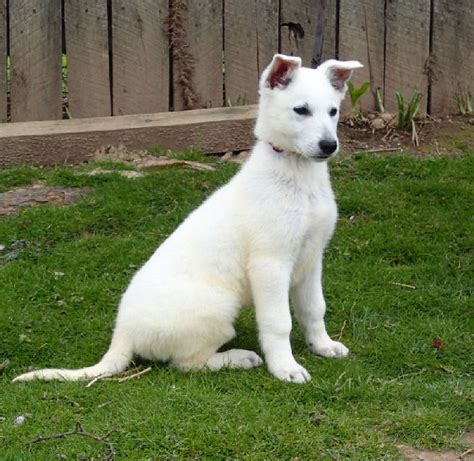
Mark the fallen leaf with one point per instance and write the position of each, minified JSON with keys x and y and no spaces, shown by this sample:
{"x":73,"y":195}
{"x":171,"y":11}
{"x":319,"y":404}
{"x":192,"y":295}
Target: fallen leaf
{"x":437,"y":343}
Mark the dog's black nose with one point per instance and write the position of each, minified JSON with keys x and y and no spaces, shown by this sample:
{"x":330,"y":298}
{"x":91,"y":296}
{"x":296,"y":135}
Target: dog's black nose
{"x":327,"y":146}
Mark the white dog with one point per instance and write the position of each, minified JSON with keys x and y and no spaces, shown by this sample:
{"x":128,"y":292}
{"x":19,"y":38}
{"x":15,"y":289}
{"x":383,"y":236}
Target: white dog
{"x":259,"y":239}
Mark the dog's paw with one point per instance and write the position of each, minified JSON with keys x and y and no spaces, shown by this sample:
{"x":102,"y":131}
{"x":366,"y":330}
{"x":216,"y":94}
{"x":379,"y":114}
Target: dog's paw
{"x":292,"y":373}
{"x":244,"y":359}
{"x":329,"y":349}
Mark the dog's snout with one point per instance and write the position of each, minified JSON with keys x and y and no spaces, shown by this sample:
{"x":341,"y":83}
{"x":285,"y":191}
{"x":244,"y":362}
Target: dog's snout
{"x":327,"y":146}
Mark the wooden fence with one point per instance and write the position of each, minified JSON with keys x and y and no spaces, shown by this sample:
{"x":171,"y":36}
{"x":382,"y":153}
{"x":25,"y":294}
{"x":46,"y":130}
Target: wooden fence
{"x":89,"y":58}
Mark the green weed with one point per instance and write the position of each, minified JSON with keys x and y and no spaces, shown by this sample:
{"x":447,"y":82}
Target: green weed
{"x":356,"y":93}
{"x":406,"y":116}
{"x":463,"y":101}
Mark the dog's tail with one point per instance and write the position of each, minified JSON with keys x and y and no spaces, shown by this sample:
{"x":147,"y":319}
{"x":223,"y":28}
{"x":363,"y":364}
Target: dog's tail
{"x":114,"y":361}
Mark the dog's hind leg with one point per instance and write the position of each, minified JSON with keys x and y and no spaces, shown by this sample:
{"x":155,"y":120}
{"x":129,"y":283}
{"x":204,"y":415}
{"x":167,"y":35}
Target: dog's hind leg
{"x":234,"y":358}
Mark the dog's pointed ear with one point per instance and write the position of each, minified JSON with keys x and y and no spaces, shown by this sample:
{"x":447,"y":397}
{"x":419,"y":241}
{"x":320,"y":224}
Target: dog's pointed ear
{"x":280,"y":71}
{"x":339,"y":72}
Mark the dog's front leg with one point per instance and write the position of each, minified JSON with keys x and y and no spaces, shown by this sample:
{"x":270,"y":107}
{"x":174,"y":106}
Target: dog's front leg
{"x":310,"y":307}
{"x":270,"y":281}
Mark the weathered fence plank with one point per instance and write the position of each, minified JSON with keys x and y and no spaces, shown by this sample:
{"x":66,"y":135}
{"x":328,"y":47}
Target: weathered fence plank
{"x":87,"y":47}
{"x":200,"y":73}
{"x":298,"y":21}
{"x":3,"y":61}
{"x":452,"y":53}
{"x":35,"y":48}
{"x":361,"y":37}
{"x":251,"y":39}
{"x":140,"y":63}
{"x":73,"y":141}
{"x":406,"y":50}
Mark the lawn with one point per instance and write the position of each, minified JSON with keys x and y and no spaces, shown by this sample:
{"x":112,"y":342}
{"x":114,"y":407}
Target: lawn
{"x":397,"y":276}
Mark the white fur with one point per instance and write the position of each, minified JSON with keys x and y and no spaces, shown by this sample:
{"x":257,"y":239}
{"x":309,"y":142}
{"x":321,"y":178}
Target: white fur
{"x":259,"y":239}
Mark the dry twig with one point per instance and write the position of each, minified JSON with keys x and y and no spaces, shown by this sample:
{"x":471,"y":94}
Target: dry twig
{"x":464,"y":455}
{"x":98,"y":378}
{"x":379,"y":149}
{"x":339,"y":336}
{"x":79,"y":431}
{"x":135,"y":375}
{"x":414,"y":135}
{"x":413,"y":287}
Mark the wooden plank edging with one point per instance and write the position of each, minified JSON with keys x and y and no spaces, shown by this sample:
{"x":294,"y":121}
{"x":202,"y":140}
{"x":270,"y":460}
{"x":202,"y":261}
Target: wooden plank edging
{"x":74,"y":141}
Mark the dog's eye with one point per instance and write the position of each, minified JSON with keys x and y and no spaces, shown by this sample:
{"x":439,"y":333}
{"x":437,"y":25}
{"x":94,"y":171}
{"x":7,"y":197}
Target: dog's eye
{"x":302,"y":110}
{"x":333,"y":112}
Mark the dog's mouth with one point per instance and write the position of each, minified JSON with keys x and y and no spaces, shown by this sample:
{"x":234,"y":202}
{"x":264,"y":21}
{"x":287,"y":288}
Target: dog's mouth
{"x":322,"y":157}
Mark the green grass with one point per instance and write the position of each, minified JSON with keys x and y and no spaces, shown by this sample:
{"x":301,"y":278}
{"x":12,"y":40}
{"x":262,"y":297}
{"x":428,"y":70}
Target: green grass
{"x":403,"y":221}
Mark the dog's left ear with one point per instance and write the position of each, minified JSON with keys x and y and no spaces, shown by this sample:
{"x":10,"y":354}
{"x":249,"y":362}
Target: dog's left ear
{"x":339,"y":72}
{"x":280,"y":71}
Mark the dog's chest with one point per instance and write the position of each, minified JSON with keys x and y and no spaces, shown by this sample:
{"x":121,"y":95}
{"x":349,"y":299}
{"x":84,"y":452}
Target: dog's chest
{"x":320,"y":212}
{"x":320,"y":215}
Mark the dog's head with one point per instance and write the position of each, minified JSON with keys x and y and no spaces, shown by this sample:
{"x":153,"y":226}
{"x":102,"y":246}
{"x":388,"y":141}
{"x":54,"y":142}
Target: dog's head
{"x":299,"y":107}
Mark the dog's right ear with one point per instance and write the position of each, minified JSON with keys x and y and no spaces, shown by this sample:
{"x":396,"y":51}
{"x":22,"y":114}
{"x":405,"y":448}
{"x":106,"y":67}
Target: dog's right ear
{"x":339,"y":72}
{"x":280,"y":71}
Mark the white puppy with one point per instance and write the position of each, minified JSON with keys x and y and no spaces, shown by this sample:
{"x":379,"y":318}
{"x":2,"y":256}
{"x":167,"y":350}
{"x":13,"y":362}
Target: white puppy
{"x":259,"y":239}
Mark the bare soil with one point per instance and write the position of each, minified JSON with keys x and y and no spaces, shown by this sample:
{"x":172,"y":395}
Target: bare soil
{"x":452,"y":135}
{"x":413,"y":454}
{"x":38,"y":194}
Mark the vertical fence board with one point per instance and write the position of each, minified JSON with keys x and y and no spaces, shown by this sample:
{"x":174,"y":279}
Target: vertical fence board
{"x":452,"y":53}
{"x":3,"y":61}
{"x":87,"y":47}
{"x":140,"y":63}
{"x":35,"y":49}
{"x":203,"y":25}
{"x":298,"y":28}
{"x":406,"y":50}
{"x":361,"y":37}
{"x":330,"y":29}
{"x":251,"y":39}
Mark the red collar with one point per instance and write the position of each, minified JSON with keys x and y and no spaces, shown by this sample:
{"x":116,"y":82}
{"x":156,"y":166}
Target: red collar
{"x":275,"y":148}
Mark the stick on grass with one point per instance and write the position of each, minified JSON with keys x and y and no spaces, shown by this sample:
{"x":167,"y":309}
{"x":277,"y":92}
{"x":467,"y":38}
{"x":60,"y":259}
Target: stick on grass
{"x":79,"y":431}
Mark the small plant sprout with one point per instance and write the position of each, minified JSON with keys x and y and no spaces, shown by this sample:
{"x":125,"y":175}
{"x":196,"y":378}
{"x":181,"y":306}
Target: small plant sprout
{"x":379,"y":100}
{"x":464,"y":101}
{"x":406,"y":116}
{"x":356,"y":93}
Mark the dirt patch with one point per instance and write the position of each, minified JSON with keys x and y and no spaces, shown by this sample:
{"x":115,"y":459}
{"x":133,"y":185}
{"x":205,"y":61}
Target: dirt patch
{"x":130,"y":174}
{"x":12,"y":201}
{"x":143,"y":160}
{"x":413,"y":454}
{"x":453,"y":135}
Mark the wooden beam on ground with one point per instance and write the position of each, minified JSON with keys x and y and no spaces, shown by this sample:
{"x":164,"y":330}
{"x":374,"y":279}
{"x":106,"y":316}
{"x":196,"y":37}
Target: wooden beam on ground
{"x":74,"y":141}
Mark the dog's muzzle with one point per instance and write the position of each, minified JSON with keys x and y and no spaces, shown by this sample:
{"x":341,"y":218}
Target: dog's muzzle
{"x":326,"y":149}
